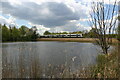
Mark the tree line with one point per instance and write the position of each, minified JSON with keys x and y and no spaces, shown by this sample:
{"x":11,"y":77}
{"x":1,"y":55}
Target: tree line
{"x":53,"y":33}
{"x":86,"y":34}
{"x":92,"y":34}
{"x":30,"y":34}
{"x":18,"y":34}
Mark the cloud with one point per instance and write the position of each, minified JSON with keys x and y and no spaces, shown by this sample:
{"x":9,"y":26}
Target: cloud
{"x":40,"y":28}
{"x":53,"y":15}
{"x":10,"y":21}
{"x":49,"y":14}
{"x":105,"y":1}
{"x":72,"y":26}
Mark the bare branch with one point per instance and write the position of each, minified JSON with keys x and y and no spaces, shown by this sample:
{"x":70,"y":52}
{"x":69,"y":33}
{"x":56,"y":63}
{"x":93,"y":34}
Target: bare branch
{"x":100,"y":20}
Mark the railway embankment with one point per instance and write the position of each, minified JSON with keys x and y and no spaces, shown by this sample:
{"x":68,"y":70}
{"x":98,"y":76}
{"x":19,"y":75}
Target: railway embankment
{"x":72,"y":39}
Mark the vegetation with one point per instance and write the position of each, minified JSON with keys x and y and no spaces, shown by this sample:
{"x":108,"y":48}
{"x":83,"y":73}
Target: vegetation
{"x":118,"y":33}
{"x":0,"y":33}
{"x":107,"y":66}
{"x":92,"y":34}
{"x":88,"y":34}
{"x":47,"y":33}
{"x":100,"y":15}
{"x":18,"y":34}
{"x":76,"y":32}
{"x":118,"y":28}
{"x":52,"y":33}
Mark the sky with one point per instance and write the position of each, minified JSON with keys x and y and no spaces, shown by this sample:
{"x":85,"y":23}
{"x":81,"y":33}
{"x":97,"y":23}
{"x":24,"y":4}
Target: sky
{"x":51,"y":15}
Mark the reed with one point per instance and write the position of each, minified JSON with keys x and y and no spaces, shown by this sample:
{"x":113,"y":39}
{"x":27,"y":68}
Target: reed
{"x":106,"y":67}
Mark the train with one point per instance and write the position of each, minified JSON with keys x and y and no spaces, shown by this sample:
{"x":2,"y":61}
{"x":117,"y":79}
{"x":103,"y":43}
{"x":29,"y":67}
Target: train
{"x":62,"y":36}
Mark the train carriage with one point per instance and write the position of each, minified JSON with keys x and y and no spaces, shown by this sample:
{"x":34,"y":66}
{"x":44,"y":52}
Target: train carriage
{"x":62,"y":36}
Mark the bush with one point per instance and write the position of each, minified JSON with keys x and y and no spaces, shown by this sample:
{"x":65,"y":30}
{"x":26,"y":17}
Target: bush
{"x":106,"y":67}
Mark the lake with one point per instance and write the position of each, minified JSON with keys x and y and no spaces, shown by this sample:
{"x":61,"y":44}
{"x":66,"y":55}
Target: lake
{"x":42,"y":59}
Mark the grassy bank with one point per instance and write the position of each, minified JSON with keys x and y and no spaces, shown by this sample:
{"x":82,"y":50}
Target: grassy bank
{"x":72,"y":39}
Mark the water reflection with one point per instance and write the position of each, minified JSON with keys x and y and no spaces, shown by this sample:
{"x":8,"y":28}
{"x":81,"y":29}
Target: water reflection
{"x":45,"y":59}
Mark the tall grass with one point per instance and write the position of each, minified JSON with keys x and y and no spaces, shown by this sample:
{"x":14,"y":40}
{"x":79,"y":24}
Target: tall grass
{"x":107,"y":66}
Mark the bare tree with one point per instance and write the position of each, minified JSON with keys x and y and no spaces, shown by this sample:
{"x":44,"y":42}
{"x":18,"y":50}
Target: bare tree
{"x":104,"y":22}
{"x":119,"y":23}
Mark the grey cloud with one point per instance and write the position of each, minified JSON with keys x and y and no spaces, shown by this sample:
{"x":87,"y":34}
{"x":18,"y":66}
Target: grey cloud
{"x":58,"y":14}
{"x":68,"y":27}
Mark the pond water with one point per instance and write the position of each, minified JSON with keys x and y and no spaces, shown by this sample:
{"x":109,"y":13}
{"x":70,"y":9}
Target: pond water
{"x":40,"y":59}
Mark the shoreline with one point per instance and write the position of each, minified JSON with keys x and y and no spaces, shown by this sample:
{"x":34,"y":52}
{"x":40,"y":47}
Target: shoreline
{"x":91,"y":40}
{"x":84,"y":40}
